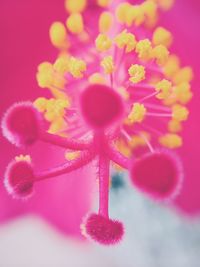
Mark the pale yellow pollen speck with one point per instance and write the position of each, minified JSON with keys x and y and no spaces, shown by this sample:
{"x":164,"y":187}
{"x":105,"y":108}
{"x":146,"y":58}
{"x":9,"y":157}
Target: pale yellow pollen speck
{"x":182,"y":93}
{"x":171,"y":67}
{"x":40,"y":104}
{"x":171,"y":140}
{"x":134,"y":15}
{"x":183,"y":75}
{"x":75,"y":6}
{"x":144,"y":49}
{"x":72,"y":155}
{"x":21,"y":157}
{"x":44,"y":75}
{"x":123,"y":92}
{"x":149,"y":9}
{"x":77,"y":67}
{"x":137,"y":73}
{"x":174,"y":126}
{"x":108,"y":64}
{"x":121,"y":11}
{"x":104,"y":3}
{"x":75,"y":23}
{"x":96,"y":78}
{"x":164,"y":89}
{"x":61,"y":64}
{"x":180,"y":113}
{"x":105,"y":21}
{"x":138,"y":140}
{"x":161,"y":36}
{"x":57,"y":125}
{"x":58,"y":35}
{"x":137,"y":113}
{"x":161,"y":54}
{"x":123,"y":147}
{"x":103,"y":42}
{"x":126,"y":40}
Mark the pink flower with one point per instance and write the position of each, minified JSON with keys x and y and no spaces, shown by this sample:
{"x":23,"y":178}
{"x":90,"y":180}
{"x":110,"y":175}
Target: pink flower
{"x":116,"y":92}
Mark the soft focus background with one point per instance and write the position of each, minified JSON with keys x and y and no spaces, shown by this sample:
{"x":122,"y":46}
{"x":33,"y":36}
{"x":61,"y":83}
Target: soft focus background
{"x":156,"y":235}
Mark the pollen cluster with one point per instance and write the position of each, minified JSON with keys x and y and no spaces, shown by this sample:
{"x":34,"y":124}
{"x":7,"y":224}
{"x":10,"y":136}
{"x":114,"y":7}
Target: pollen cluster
{"x":116,"y":90}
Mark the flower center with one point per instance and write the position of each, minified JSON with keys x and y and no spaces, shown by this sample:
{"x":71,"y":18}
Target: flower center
{"x":101,"y":106}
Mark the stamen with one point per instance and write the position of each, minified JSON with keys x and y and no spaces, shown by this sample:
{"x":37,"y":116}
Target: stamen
{"x":103,"y":43}
{"x":75,"y":23}
{"x":58,"y":35}
{"x":105,"y":21}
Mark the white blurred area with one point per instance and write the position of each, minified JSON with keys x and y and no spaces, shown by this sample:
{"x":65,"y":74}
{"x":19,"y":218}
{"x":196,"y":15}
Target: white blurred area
{"x":155,"y":237}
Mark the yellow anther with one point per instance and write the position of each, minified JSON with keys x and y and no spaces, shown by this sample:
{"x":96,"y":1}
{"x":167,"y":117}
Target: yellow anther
{"x":108,"y":64}
{"x":149,"y":9}
{"x":40,"y":104}
{"x":183,"y":93}
{"x":103,"y":42}
{"x":123,"y":92}
{"x":77,"y":67}
{"x":165,"y":4}
{"x":139,"y":140}
{"x":137,"y":73}
{"x":23,"y":158}
{"x":121,"y":11}
{"x":126,"y":40}
{"x":44,"y":75}
{"x":144,"y":49}
{"x":75,"y":23}
{"x":55,"y":109}
{"x":61,"y":64}
{"x":164,"y":89}
{"x":105,"y":21}
{"x":161,"y":36}
{"x":123,"y":148}
{"x":180,"y":113}
{"x":171,"y":66}
{"x":137,"y":113}
{"x":72,"y":155}
{"x":183,"y":75}
{"x":160,"y":53}
{"x":134,"y":15}
{"x":75,"y":6}
{"x":174,"y":126}
{"x":57,"y":125}
{"x":58,"y":35}
{"x":96,"y":78}
{"x":171,"y":140}
{"x":104,"y":3}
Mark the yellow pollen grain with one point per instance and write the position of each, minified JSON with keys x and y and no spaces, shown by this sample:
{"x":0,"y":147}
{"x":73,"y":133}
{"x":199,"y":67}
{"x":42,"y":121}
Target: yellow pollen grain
{"x":183,"y":75}
{"x":121,"y":11}
{"x":174,"y":126}
{"x":161,"y":36}
{"x":77,"y":67}
{"x":149,"y":9}
{"x":21,"y":157}
{"x":161,"y":54}
{"x":40,"y":104}
{"x":123,"y":92}
{"x":165,"y":4}
{"x":96,"y":78}
{"x":134,"y":15}
{"x":57,"y":126}
{"x":123,"y":148}
{"x":171,"y":67}
{"x":108,"y":64}
{"x":138,"y":140}
{"x":104,"y":3}
{"x":61,"y":64}
{"x":103,"y":42}
{"x":144,"y":49}
{"x":44,"y":75}
{"x":183,"y":93}
{"x":75,"y":6}
{"x":137,"y":73}
{"x":137,"y":113}
{"x":126,"y":40}
{"x":75,"y":23}
{"x":164,"y":89}
{"x":171,"y":140}
{"x":180,"y":113}
{"x":105,"y":21}
{"x":72,"y":155}
{"x":58,"y":35}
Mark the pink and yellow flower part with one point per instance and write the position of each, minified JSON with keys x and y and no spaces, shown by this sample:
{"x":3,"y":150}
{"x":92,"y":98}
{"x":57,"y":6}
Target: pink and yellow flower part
{"x":118,"y":98}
